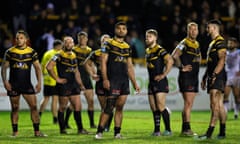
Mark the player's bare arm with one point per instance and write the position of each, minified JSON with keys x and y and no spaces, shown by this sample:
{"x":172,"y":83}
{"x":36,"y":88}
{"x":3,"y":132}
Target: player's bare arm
{"x":38,"y":72}
{"x":131,"y":75}
{"x":5,"y":66}
{"x":104,"y":60}
{"x":50,"y":68}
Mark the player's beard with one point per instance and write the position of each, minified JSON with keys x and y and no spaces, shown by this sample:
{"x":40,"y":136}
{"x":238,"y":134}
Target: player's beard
{"x":149,"y":43}
{"x":120,"y":36}
{"x":68,"y":49}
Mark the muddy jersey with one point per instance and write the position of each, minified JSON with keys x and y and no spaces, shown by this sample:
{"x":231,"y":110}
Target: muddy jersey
{"x":118,"y":52}
{"x":155,"y":61}
{"x":66,"y":64}
{"x":20,"y":61}
{"x":190,"y":56}
{"x":216,"y":45}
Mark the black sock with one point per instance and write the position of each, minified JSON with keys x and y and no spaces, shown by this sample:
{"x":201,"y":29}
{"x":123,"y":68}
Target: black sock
{"x":166,"y":119}
{"x":61,"y":120}
{"x":15,"y":127}
{"x":185,"y":126}
{"x":116,"y":130}
{"x":78,"y":119}
{"x":91,"y":117}
{"x":55,"y":119}
{"x":222,"y":129}
{"x":100,"y":129}
{"x":209,"y":131}
{"x":36,"y":126}
{"x":108,"y":124}
{"x":68,"y":114}
{"x":156,"y":118}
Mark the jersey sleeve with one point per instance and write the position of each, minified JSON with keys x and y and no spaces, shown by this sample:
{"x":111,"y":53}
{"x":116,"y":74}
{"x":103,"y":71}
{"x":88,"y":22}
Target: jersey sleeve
{"x":6,"y":56}
{"x":105,"y":47}
{"x":56,"y":57}
{"x":221,"y":45}
{"x":180,"y":46}
{"x":35,"y":55}
{"x":162,"y":52}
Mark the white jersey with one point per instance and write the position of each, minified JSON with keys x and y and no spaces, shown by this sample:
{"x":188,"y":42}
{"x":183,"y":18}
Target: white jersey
{"x":232,"y":63}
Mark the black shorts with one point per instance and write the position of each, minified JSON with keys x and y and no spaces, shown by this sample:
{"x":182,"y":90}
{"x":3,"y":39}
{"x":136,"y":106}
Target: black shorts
{"x":158,"y":86}
{"x":118,"y":87}
{"x":188,"y":85}
{"x":99,"y":90}
{"x":50,"y":90}
{"x":68,"y":90}
{"x":85,"y":78}
{"x":87,"y":82}
{"x":218,"y":84}
{"x":16,"y":91}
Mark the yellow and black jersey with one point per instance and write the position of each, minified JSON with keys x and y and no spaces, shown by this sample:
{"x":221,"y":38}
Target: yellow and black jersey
{"x":82,"y":53}
{"x":191,"y":55}
{"x":216,"y":45}
{"x":118,"y":52}
{"x":66,"y":65}
{"x":155,"y":60}
{"x":20,"y":61}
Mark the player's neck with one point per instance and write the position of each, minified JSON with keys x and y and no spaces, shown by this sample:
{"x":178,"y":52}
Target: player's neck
{"x":215,"y":35}
{"x":191,"y":39}
{"x":82,"y":45}
{"x":21,"y":47}
{"x":119,"y":39}
{"x":153,"y":45}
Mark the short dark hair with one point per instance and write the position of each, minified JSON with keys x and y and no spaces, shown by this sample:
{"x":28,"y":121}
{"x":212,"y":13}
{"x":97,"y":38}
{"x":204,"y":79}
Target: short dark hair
{"x":233,"y":39}
{"x":120,"y":23}
{"x":215,"y":21}
{"x":82,"y":33}
{"x":57,"y":42}
{"x":23,"y":32}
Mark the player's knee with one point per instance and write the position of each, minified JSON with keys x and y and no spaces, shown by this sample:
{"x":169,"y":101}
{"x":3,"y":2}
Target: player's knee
{"x":110,"y":106}
{"x":34,"y":108}
{"x":15,"y":108}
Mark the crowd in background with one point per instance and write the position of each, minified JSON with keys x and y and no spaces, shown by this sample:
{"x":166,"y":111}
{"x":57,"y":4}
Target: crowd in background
{"x":46,"y":20}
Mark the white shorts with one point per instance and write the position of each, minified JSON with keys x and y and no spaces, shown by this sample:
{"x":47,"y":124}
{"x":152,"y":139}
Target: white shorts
{"x":235,"y":82}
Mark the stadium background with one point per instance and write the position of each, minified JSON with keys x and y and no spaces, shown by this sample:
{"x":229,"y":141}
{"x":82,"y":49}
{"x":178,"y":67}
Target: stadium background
{"x":46,"y":20}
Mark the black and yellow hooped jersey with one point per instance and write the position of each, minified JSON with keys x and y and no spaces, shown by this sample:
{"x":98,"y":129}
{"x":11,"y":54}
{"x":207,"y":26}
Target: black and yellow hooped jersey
{"x":66,"y":65}
{"x":95,"y":56}
{"x":191,"y":55}
{"x":20,"y":61}
{"x":82,"y":53}
{"x":216,"y":45}
{"x":155,"y":60}
{"x":118,"y":52}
